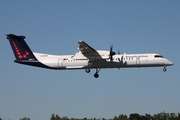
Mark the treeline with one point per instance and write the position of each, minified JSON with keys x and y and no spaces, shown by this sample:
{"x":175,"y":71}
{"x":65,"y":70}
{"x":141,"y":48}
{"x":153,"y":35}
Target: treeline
{"x":133,"y":116}
{"x":25,"y":118}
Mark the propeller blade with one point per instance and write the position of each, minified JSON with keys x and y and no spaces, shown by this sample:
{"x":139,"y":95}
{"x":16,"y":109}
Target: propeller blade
{"x":111,"y":53}
{"x":118,"y":52}
{"x":111,"y":47}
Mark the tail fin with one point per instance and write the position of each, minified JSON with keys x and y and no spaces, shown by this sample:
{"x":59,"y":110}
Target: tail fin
{"x":20,"y":48}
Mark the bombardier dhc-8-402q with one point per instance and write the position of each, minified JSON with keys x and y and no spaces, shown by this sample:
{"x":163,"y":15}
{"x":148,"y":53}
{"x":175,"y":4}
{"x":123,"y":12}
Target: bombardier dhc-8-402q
{"x":87,"y":58}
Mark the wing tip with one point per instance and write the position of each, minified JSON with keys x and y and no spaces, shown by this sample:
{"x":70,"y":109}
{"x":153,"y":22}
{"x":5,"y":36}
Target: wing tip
{"x":80,"y":41}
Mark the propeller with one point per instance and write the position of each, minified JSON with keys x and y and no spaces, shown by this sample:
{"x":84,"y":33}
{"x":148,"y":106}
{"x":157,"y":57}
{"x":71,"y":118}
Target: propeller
{"x":119,"y":52}
{"x":111,"y":53}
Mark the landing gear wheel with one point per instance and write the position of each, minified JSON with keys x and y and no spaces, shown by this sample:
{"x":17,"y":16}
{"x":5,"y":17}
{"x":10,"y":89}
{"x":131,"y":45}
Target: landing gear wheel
{"x":87,"y":70}
{"x":96,"y":75}
{"x":164,"y":69}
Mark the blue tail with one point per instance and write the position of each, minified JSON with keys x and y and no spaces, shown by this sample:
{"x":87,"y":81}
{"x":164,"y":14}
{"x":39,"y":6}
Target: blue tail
{"x":22,"y":52}
{"x":20,"y":48}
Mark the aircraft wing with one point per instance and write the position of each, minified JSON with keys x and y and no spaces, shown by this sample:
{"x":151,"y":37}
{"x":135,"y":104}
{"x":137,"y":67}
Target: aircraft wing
{"x":86,"y":49}
{"x":87,"y":52}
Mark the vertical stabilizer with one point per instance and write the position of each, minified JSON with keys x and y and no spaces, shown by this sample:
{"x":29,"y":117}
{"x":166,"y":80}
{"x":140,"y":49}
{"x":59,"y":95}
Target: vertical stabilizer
{"x":20,"y":48}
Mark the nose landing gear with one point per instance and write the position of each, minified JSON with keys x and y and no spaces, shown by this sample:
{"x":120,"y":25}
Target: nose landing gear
{"x":164,"y":69}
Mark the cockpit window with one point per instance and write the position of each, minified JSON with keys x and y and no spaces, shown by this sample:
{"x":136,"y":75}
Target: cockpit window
{"x":158,"y":56}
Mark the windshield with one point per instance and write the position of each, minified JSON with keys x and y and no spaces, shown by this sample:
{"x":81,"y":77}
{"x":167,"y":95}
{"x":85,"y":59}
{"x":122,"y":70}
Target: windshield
{"x":158,"y":56}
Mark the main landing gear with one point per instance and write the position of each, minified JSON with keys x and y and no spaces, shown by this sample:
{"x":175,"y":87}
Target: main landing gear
{"x":88,"y":67}
{"x":87,"y":70}
{"x":96,"y":75}
{"x":164,"y":69}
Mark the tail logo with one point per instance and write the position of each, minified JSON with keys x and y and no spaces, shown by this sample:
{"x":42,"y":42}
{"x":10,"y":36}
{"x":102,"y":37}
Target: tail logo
{"x":19,"y":54}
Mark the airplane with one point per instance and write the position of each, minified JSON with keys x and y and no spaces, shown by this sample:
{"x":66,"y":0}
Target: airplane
{"x":87,"y":58}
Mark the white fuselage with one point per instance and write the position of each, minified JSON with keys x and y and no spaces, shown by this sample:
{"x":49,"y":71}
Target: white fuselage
{"x":119,"y":61}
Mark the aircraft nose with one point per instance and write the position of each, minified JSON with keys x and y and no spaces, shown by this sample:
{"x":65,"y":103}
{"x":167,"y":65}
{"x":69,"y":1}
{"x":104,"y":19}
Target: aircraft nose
{"x":169,"y":63}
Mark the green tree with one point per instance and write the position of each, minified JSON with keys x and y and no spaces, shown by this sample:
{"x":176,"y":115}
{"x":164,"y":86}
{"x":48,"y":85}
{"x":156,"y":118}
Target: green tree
{"x":160,"y":116}
{"x":148,"y":117}
{"x":53,"y":117}
{"x":57,"y":117}
{"x":178,"y":116}
{"x":123,"y":117}
{"x":65,"y":118}
{"x":115,"y":118}
{"x":25,"y":118}
{"x":134,"y":116}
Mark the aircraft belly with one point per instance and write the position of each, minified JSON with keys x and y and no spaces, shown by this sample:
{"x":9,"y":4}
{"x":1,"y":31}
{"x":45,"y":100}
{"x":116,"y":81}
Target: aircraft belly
{"x":53,"y":64}
{"x":105,"y":65}
{"x":124,"y":64}
{"x":49,"y":62}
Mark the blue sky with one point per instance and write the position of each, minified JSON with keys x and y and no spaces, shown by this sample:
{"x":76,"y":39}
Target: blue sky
{"x":55,"y":27}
